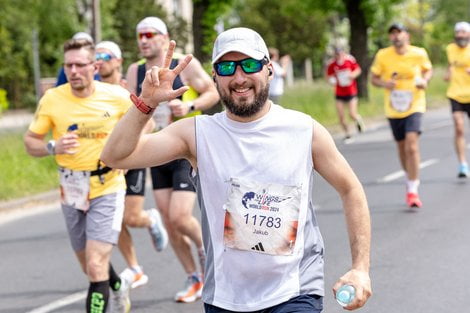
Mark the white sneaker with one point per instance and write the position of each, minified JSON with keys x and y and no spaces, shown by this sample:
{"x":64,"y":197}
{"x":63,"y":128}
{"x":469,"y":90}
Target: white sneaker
{"x":192,"y":289}
{"x":119,"y":300}
{"x":157,"y":230}
{"x":137,"y":279}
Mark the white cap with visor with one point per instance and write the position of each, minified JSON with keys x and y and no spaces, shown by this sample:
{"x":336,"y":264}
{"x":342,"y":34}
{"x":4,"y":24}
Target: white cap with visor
{"x":240,"y":39}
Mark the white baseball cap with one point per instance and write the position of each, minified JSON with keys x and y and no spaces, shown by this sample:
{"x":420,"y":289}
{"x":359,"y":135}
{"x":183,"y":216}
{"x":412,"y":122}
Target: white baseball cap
{"x":153,"y":22}
{"x":240,"y":39}
{"x":111,"y":46}
{"x":462,"y":26}
{"x":82,"y":35}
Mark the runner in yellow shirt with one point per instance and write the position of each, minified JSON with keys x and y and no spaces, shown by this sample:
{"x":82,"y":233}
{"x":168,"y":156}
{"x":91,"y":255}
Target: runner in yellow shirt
{"x":458,"y":74}
{"x":404,"y":71}
{"x":81,"y":115}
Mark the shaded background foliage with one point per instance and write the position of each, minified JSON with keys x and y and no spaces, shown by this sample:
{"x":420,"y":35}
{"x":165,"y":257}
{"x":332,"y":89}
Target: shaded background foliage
{"x":302,"y":28}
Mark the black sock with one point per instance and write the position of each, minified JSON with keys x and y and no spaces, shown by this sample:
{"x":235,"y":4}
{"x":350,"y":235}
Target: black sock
{"x":114,"y":279}
{"x":97,"y":299}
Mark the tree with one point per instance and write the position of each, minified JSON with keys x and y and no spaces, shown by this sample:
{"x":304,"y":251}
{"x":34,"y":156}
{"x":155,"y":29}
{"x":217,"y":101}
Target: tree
{"x":359,"y":41}
{"x":294,"y":27}
{"x":364,"y":17}
{"x":124,"y":17}
{"x":205,"y":16}
{"x":54,"y":23}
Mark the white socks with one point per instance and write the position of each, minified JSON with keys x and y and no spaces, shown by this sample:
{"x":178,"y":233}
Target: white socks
{"x":412,"y":186}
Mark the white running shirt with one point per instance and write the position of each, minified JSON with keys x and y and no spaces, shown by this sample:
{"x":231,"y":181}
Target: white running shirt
{"x":260,"y":174}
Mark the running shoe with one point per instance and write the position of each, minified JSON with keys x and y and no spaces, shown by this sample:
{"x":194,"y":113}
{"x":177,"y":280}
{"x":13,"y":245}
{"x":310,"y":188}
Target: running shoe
{"x":463,"y":171}
{"x":413,"y":201}
{"x":348,"y":139}
{"x":157,"y":230}
{"x":361,"y":127}
{"x":137,"y":278}
{"x":192,"y":289}
{"x":120,"y":301}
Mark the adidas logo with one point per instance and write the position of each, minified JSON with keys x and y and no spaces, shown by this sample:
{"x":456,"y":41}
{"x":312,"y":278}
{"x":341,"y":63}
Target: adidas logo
{"x":106,"y":114}
{"x":258,"y":247}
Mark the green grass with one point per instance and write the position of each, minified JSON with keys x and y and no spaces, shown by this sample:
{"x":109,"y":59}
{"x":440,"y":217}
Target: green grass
{"x":22,"y":174}
{"x":317,"y":99}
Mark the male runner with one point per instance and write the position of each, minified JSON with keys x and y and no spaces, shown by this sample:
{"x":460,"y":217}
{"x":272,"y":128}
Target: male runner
{"x":174,"y":190}
{"x":255,"y":164}
{"x":404,"y":71}
{"x":81,"y":115}
{"x":109,"y":61}
{"x":342,"y":72}
{"x":458,"y":74}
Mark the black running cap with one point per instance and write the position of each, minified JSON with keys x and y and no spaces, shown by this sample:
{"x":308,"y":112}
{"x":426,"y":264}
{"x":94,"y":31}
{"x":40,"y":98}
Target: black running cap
{"x":397,"y":26}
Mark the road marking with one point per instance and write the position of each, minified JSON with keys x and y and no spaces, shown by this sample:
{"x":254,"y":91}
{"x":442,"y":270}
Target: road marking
{"x":395,"y":175}
{"x":438,"y":125}
{"x":60,"y":303}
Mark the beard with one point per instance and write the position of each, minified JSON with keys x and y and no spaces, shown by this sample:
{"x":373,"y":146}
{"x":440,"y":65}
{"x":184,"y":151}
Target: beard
{"x":398,"y":43}
{"x":106,"y":74}
{"x":78,"y":86}
{"x":461,"y":42}
{"x":243,"y":108}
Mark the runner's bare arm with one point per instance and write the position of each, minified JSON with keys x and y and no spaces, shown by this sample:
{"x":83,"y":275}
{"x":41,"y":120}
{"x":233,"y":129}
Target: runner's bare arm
{"x":332,"y":166}
{"x":126,"y":148}
{"x":35,"y":145}
{"x":131,"y":77}
{"x":379,"y":82}
{"x":195,"y":76}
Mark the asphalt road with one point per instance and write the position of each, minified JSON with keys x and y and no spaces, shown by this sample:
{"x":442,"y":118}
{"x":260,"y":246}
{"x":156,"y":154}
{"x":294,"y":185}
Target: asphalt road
{"x":420,"y":260}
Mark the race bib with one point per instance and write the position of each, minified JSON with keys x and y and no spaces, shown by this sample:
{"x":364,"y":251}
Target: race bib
{"x":261,"y":217}
{"x":162,"y":116}
{"x":344,"y":78}
{"x":75,"y":188}
{"x":401,"y":100}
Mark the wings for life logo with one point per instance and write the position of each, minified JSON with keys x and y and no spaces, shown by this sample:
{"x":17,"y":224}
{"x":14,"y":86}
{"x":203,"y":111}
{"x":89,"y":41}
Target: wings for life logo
{"x":262,"y":201}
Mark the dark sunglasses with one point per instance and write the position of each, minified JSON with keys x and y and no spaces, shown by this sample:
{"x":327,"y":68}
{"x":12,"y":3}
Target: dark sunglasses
{"x":103,"y":56}
{"x":249,"y":66}
{"x":148,"y":35}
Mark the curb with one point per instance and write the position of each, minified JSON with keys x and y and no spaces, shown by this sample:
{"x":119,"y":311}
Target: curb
{"x":49,"y":198}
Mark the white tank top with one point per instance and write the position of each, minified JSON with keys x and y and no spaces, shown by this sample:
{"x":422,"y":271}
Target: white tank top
{"x":260,"y":233}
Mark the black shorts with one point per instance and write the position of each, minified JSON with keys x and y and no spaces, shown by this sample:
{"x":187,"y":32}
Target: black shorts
{"x":460,"y":107}
{"x":345,"y":98}
{"x":135,"y":181}
{"x":401,"y":126}
{"x":175,"y":174}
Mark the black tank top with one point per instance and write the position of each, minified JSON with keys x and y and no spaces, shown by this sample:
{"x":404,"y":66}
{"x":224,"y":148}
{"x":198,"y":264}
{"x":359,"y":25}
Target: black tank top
{"x":177,"y":83}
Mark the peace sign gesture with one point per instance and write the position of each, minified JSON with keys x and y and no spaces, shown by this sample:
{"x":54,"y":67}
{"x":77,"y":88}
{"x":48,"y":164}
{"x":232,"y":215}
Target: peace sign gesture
{"x":158,"y":83}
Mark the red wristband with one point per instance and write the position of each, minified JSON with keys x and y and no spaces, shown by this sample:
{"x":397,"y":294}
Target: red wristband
{"x":140,"y":104}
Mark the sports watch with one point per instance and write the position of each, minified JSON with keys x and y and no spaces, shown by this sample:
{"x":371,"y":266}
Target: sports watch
{"x":51,"y":147}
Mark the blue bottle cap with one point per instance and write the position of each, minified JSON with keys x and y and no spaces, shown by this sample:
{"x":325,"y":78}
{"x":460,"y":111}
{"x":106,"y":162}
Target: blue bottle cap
{"x":345,"y":295}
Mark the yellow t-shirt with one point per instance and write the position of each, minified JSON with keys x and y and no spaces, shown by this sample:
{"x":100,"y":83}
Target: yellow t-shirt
{"x":407,"y":99}
{"x":459,"y":62}
{"x":94,"y":117}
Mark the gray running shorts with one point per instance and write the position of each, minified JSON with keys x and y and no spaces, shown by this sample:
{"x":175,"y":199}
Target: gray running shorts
{"x":102,"y":222}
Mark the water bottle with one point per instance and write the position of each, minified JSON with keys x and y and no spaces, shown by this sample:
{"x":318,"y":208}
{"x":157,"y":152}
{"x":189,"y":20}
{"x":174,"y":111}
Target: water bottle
{"x":345,"y":295}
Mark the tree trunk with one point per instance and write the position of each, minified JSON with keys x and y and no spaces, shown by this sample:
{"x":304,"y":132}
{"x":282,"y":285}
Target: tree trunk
{"x":199,"y":8}
{"x":358,"y":42}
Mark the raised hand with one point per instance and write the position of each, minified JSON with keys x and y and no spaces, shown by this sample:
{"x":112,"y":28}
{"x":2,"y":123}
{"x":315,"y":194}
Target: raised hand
{"x":158,"y":83}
